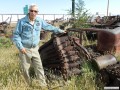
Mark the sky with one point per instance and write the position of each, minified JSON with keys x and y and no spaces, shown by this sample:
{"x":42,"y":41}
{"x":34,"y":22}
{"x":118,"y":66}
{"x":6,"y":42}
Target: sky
{"x":59,"y":6}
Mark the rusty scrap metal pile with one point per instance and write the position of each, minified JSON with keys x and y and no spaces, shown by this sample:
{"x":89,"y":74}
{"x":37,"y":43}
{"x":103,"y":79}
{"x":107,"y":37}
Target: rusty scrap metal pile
{"x":63,"y":54}
{"x":4,"y":26}
{"x":110,"y":22}
{"x":110,"y":75}
{"x":114,"y":69}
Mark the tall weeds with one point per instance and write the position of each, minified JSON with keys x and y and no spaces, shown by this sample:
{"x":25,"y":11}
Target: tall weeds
{"x":12,"y":79}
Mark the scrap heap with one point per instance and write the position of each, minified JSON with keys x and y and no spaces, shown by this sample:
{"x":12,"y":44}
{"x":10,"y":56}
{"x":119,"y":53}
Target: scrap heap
{"x":64,"y":54}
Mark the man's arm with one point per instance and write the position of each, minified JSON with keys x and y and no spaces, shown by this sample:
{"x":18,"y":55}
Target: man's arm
{"x":17,"y":37}
{"x":51,"y":28}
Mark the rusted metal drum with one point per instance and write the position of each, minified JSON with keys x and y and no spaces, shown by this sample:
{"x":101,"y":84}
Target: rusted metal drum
{"x":104,"y":61}
{"x":109,"y":40}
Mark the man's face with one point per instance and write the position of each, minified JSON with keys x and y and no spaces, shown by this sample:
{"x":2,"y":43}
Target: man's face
{"x":33,"y":11}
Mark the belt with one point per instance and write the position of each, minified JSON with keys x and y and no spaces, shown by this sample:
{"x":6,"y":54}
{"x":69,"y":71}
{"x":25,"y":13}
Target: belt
{"x":33,"y":46}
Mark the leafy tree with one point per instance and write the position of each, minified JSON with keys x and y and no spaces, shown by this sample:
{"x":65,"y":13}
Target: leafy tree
{"x":81,"y":15}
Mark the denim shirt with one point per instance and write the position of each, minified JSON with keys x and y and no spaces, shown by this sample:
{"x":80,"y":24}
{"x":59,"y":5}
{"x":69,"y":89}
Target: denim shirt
{"x":28,"y":35}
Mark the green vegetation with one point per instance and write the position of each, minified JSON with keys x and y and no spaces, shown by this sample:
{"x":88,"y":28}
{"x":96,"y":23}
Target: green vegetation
{"x":5,"y":42}
{"x":81,"y":15}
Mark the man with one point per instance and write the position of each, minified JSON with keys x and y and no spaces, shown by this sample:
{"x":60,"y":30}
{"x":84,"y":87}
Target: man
{"x":26,"y":37}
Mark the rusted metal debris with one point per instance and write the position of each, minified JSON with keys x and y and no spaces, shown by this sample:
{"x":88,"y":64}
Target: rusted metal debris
{"x":110,"y":75}
{"x":110,"y":22}
{"x":104,"y":61}
{"x":65,"y":54}
{"x":108,"y":40}
{"x":4,"y":25}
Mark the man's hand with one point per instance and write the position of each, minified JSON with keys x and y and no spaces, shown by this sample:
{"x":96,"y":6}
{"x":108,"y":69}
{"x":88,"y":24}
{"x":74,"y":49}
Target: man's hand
{"x":64,"y":31}
{"x":23,"y":50}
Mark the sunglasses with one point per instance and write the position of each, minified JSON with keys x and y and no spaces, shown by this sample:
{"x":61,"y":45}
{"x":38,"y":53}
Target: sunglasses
{"x":34,"y":11}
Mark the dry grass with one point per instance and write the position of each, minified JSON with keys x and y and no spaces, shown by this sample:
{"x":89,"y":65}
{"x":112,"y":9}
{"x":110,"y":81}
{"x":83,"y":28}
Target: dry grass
{"x":12,"y":79}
